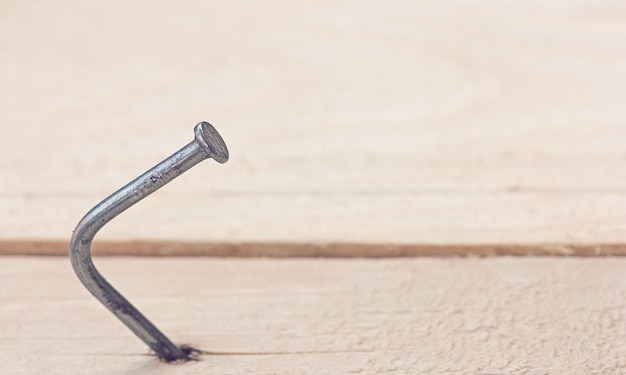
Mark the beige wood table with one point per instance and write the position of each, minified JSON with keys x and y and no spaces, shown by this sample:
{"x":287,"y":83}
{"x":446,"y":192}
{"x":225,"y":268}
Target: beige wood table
{"x":356,"y":129}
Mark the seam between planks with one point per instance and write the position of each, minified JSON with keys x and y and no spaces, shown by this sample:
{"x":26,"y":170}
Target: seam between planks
{"x":309,"y":249}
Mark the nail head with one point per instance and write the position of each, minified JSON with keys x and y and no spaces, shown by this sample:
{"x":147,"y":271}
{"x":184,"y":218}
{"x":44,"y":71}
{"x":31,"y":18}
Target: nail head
{"x":211,"y":140}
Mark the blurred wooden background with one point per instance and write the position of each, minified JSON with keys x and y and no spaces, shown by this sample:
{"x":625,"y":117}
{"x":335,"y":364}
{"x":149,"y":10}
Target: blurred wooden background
{"x":499,"y":123}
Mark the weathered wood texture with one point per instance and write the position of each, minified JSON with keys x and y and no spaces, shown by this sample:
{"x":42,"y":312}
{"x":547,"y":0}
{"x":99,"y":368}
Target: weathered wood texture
{"x":399,"y":122}
{"x":287,"y":316}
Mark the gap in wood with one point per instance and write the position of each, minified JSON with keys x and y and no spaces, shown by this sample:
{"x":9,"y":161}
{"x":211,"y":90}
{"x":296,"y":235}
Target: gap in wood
{"x":283,"y":249}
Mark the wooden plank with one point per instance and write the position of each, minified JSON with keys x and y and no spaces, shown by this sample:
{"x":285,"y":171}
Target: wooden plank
{"x":409,"y":123}
{"x":305,"y":316}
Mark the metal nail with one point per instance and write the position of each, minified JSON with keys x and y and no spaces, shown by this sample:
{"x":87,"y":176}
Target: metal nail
{"x":206,"y":144}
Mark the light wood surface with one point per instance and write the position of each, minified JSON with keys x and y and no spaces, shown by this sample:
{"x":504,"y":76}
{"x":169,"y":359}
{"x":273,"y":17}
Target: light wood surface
{"x":501,"y":315}
{"x":408,"y":123}
{"x":355,"y":129}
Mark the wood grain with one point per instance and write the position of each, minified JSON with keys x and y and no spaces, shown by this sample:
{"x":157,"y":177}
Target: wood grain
{"x":498,"y":315}
{"x":464,"y":123}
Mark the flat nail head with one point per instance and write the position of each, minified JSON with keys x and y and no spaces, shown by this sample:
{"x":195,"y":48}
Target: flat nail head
{"x":212,"y":142}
